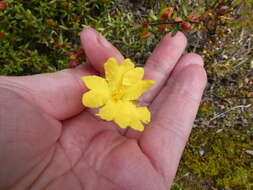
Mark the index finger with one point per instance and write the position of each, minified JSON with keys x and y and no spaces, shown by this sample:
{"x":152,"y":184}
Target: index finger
{"x":159,"y":66}
{"x":175,"y":110}
{"x":161,"y":63}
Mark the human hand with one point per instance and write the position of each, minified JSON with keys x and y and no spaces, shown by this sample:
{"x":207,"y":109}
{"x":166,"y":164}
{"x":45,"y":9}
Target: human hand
{"x":48,"y":140}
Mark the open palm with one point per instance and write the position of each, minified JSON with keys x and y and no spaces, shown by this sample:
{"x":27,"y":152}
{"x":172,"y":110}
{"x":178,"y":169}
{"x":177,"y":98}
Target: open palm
{"x":48,"y":140}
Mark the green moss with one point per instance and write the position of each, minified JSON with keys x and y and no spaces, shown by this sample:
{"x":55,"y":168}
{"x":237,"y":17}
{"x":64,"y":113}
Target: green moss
{"x":223,"y":161}
{"x":206,"y":110}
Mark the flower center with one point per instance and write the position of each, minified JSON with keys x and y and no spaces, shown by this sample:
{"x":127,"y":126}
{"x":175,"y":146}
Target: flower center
{"x":118,"y":95}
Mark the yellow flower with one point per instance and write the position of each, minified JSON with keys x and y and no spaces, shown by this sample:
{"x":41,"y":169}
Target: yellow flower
{"x":118,"y":94}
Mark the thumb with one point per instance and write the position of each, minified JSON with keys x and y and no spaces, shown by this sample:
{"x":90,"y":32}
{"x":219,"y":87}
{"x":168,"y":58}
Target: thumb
{"x":58,"y":94}
{"x":98,"y":49}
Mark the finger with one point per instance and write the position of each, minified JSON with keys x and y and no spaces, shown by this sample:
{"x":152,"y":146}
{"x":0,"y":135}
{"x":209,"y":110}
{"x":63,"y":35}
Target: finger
{"x":186,"y":60}
{"x":161,"y":63}
{"x":189,"y":59}
{"x":98,"y":49}
{"x":167,"y":135}
{"x":58,"y":94}
{"x":159,"y":66}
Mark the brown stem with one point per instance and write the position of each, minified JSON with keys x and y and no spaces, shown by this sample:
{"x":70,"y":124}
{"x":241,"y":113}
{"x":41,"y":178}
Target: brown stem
{"x":172,"y":22}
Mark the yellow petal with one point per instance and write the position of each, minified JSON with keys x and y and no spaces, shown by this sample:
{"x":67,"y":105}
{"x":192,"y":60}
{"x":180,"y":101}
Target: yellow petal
{"x":144,"y":114}
{"x":98,"y":94}
{"x":123,"y":85}
{"x":128,"y":115}
{"x":133,"y":76}
{"x":94,"y":99}
{"x":114,"y":72}
{"x":127,"y":65}
{"x":111,"y":69}
{"x":124,"y":113}
{"x":135,"y":91}
{"x":122,"y":121}
{"x":108,"y":111}
{"x":137,"y":125}
{"x":95,"y":83}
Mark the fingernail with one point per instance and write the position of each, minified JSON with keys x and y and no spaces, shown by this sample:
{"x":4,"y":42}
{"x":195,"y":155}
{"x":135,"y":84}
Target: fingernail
{"x":104,"y":42}
{"x":100,"y":38}
{"x":79,"y":66}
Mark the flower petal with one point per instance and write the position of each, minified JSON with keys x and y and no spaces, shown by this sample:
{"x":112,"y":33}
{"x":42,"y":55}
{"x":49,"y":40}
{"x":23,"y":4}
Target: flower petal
{"x":133,"y":76}
{"x":135,"y":91}
{"x":123,"y":85}
{"x":114,"y":72}
{"x":144,"y":114}
{"x":95,"y":83}
{"x":122,"y":121}
{"x":111,"y":69}
{"x":127,"y":65}
{"x":137,"y":125}
{"x":94,"y":99}
{"x":108,"y":111}
{"x":124,"y":113}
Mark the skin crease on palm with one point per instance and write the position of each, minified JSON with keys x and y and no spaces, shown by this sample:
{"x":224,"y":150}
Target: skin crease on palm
{"x":48,"y":140}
